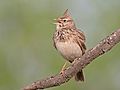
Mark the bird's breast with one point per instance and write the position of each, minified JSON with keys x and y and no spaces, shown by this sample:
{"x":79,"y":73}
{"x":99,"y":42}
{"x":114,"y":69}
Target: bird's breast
{"x":69,"y":50}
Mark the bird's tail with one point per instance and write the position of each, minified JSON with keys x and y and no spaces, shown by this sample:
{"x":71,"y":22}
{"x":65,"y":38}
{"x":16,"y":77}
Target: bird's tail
{"x":79,"y":76}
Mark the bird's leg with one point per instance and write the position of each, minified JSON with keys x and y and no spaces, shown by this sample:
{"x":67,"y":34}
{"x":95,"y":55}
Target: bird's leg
{"x":62,"y":70}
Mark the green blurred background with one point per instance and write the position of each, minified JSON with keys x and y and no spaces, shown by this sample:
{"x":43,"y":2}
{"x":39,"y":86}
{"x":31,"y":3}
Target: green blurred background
{"x":26,"y":49}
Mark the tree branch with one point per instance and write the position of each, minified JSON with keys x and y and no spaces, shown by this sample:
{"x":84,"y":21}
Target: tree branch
{"x":78,"y":64}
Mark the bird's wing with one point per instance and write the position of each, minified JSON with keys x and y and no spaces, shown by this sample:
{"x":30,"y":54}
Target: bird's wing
{"x":80,"y":39}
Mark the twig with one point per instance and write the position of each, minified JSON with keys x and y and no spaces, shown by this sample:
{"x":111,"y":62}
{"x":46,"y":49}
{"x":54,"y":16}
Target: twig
{"x":78,"y":64}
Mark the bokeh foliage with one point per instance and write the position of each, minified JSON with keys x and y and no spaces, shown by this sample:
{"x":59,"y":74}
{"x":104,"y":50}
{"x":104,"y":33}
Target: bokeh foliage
{"x":26,"y":49}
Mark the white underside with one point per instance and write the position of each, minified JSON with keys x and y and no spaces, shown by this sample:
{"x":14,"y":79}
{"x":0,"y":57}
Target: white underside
{"x":69,"y":50}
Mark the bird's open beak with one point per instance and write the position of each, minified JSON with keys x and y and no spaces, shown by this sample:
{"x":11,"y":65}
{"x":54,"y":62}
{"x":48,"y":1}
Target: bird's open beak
{"x":55,"y":21}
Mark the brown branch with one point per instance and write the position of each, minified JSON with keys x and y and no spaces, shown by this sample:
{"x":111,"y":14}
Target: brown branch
{"x":78,"y":64}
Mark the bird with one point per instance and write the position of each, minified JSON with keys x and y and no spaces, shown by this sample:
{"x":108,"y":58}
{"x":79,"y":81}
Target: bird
{"x":69,"y":41}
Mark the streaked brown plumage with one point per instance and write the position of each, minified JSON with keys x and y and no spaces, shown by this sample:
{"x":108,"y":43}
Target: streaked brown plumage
{"x":69,"y":41}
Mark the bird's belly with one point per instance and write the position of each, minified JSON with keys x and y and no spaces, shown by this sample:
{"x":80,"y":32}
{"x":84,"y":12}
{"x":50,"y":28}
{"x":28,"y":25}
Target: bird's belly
{"x":69,"y":50}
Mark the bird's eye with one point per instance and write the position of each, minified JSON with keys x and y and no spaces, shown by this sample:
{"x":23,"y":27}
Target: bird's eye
{"x":64,"y":20}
